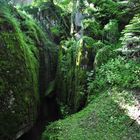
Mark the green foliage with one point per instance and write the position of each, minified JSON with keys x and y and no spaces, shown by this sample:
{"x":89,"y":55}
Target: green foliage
{"x":66,"y":5}
{"x":89,"y":41}
{"x":71,"y":76}
{"x":92,"y":28}
{"x":106,"y":9}
{"x":55,"y":30}
{"x":104,"y":54}
{"x":117,"y":72}
{"x":134,"y":6}
{"x":131,"y":36}
{"x":111,"y":32}
{"x":98,"y":45}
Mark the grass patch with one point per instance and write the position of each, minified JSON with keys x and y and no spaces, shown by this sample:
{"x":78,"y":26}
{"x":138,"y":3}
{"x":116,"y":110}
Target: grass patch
{"x":102,"y":119}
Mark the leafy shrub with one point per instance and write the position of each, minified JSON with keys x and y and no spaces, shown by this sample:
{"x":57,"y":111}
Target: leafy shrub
{"x":117,"y":72}
{"x":111,"y":32}
{"x":131,"y":35}
{"x":103,"y":55}
{"x":92,"y":28}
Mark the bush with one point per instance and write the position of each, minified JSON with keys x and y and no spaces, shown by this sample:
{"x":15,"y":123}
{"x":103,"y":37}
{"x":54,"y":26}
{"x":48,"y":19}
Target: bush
{"x":111,"y":32}
{"x":131,"y":36}
{"x":103,"y":55}
{"x":117,"y":72}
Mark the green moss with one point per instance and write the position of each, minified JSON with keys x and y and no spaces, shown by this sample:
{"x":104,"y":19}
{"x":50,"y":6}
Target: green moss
{"x":20,"y":39}
{"x":102,"y":119}
{"x":71,"y":75}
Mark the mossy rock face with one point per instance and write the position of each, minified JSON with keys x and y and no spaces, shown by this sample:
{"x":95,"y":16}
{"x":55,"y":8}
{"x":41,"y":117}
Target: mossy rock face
{"x":19,"y":71}
{"x":52,"y":18}
{"x":75,"y":59}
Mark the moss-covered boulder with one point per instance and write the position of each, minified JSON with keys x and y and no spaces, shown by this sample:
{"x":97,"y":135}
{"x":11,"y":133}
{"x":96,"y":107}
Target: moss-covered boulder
{"x":24,"y":61}
{"x":19,"y":69}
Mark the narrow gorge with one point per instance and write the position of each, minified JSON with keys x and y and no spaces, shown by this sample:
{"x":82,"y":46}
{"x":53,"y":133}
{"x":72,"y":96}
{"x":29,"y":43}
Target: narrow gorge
{"x":69,"y":70}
